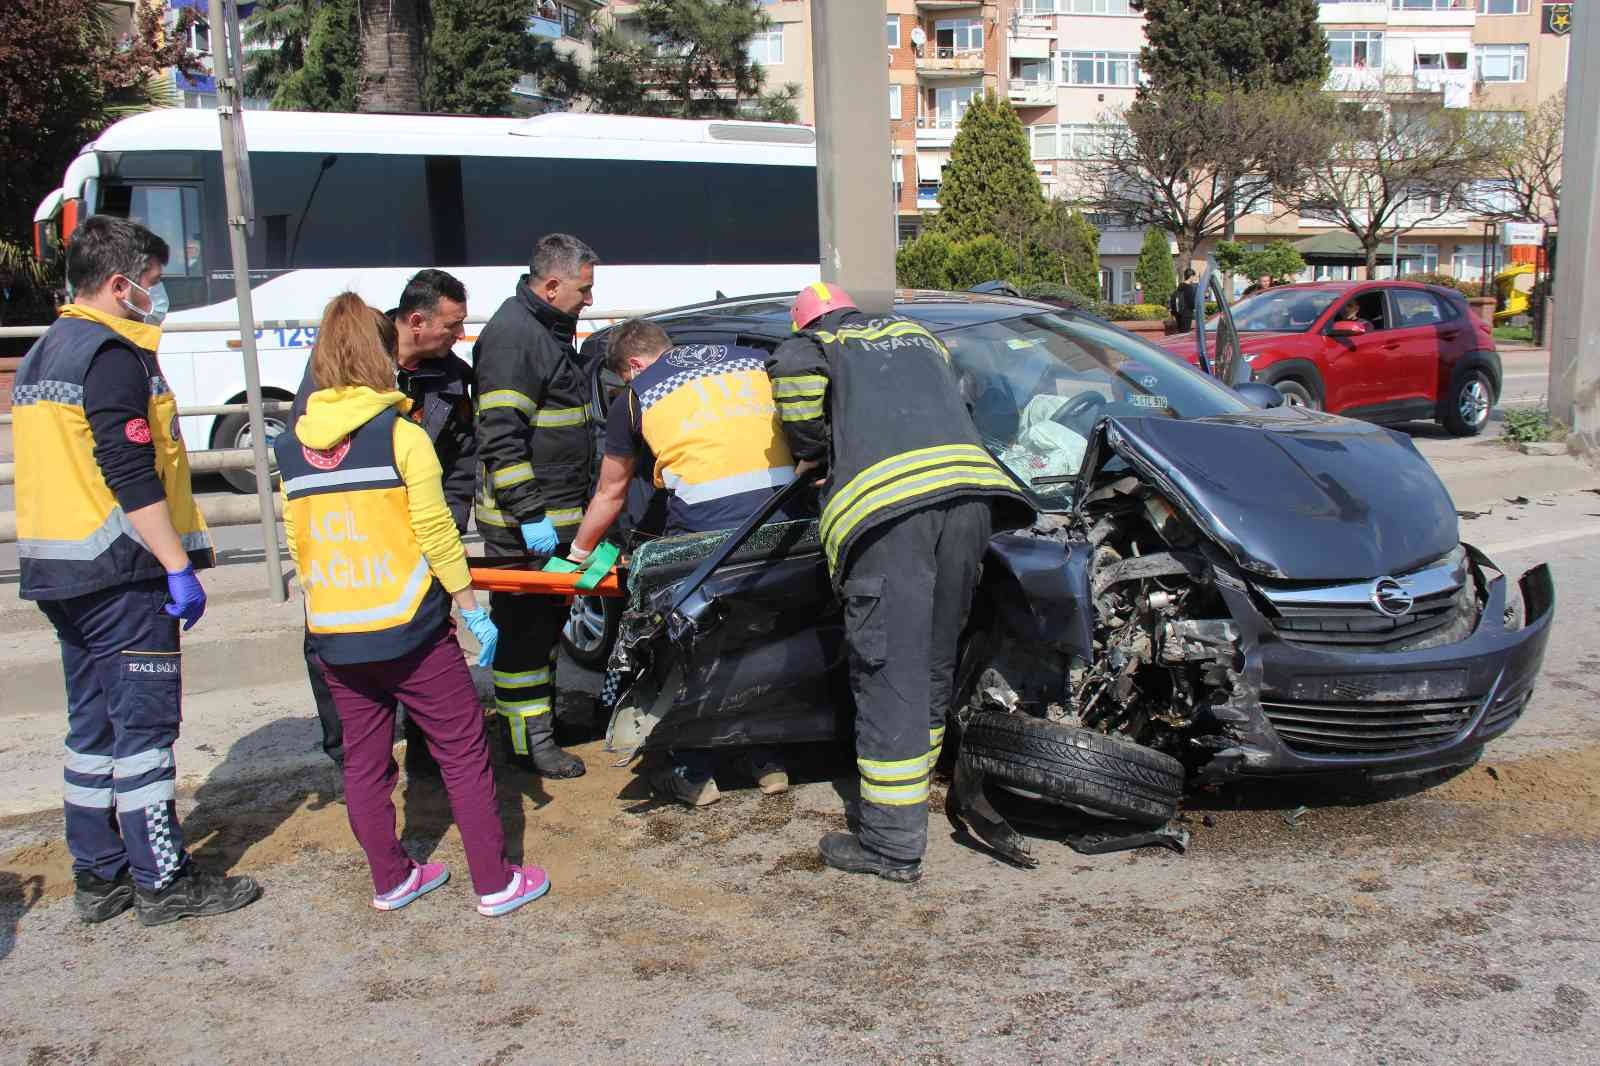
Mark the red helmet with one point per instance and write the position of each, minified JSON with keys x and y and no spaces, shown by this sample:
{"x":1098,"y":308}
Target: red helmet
{"x":816,"y":300}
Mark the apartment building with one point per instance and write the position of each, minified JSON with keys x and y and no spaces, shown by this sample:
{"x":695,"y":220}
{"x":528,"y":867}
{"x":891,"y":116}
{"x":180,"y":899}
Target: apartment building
{"x":1489,"y":55}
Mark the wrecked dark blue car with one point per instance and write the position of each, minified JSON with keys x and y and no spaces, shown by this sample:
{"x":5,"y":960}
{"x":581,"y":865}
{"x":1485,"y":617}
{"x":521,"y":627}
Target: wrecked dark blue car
{"x":1214,"y":590}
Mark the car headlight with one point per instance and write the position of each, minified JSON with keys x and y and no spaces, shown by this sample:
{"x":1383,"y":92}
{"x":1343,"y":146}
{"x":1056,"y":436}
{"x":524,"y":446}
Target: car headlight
{"x":1249,"y":357}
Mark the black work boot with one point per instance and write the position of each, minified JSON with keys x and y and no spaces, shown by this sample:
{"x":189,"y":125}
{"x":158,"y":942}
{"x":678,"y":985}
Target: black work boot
{"x":97,"y":900}
{"x":551,"y":761}
{"x":194,"y":895}
{"x":844,"y":851}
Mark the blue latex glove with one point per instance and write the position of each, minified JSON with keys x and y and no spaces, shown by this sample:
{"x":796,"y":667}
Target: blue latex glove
{"x":488,"y":635}
{"x":188,"y":598}
{"x":540,"y":536}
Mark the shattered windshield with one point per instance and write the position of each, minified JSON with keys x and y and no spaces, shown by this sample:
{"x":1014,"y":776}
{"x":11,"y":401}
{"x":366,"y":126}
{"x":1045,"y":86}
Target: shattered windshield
{"x":1287,"y":310}
{"x":1037,"y":385}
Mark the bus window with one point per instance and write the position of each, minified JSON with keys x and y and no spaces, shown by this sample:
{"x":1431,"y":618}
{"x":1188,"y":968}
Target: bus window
{"x":172,"y":212}
{"x":339,"y":210}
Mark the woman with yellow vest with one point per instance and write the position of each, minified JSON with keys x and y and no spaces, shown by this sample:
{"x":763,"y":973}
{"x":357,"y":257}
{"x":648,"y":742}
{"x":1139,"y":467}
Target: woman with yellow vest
{"x":380,"y":562}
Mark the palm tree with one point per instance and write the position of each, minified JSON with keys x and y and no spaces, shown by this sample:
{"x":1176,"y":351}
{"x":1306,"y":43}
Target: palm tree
{"x":391,"y":56}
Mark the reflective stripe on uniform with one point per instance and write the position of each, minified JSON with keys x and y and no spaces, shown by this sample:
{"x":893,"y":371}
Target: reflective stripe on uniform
{"x":510,"y":398}
{"x":398,"y":609}
{"x":900,"y":328}
{"x":808,"y":385}
{"x":895,"y":795}
{"x":894,"y":782}
{"x":515,"y":474}
{"x":525,"y":679}
{"x":90,"y":547}
{"x":358,"y":475}
{"x":898,"y":492}
{"x":893,"y":769}
{"x":137,"y":799}
{"x":80,"y":796}
{"x":733,"y":485}
{"x":143,"y":763}
{"x":559,"y":516}
{"x":935,"y":745}
{"x":80,"y":763}
{"x":887,"y":482}
{"x":799,"y":410}
{"x":554,"y":417}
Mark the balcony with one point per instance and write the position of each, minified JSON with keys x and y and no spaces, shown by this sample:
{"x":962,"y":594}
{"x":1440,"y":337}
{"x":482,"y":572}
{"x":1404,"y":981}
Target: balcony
{"x":928,"y":197}
{"x":1025,"y":92}
{"x":948,"y":62}
{"x":544,"y":29}
{"x":1352,"y":12}
{"x":935,"y":132}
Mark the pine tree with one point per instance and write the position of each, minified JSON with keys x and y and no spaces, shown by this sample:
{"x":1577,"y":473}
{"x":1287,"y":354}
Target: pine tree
{"x":1154,"y":271}
{"x":327,"y":80}
{"x":990,"y":186}
{"x":479,"y":48}
{"x":1073,"y":243}
{"x":1200,"y":45}
{"x":924,"y":263}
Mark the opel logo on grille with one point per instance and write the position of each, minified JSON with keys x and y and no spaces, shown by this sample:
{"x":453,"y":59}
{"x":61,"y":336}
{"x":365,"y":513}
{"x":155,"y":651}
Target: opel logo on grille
{"x":1391,"y":598}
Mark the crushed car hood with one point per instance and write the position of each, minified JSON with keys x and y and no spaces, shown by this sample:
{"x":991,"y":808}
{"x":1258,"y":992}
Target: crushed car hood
{"x":1294,"y":494}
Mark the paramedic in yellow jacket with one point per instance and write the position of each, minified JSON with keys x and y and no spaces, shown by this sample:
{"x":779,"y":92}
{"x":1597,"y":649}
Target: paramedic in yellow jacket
{"x":109,"y":539}
{"x":380,"y":563}
{"x":705,"y":413}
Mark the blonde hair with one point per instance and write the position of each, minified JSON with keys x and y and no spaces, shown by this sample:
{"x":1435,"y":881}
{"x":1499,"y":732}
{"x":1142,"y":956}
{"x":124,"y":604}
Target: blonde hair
{"x":351,"y":348}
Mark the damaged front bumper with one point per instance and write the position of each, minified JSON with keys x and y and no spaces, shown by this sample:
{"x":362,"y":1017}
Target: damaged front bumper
{"x":1299,"y":709}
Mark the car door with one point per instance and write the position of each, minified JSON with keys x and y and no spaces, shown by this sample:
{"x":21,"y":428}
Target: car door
{"x":1420,"y":329}
{"x":1357,"y":378}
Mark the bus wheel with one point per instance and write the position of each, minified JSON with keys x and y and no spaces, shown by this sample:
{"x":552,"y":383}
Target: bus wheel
{"x":234,"y":432}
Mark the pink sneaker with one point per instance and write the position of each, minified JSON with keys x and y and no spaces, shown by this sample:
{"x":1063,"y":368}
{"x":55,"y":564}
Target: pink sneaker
{"x":528,"y":883}
{"x":424,"y":878}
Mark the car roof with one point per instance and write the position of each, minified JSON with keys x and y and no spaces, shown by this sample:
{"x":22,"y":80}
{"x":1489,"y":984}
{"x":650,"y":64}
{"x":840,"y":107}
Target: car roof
{"x":767,"y":314}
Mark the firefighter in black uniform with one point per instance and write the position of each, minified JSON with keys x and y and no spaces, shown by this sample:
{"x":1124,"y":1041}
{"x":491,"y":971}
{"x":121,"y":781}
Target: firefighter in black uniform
{"x":534,"y":453}
{"x":430,"y":320}
{"x":909,"y":503}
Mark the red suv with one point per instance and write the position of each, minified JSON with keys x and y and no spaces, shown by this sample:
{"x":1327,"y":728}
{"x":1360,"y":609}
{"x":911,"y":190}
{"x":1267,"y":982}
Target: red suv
{"x":1383,"y":351}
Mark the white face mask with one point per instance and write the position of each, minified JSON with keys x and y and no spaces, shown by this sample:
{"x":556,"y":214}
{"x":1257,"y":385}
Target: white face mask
{"x":159,"y":303}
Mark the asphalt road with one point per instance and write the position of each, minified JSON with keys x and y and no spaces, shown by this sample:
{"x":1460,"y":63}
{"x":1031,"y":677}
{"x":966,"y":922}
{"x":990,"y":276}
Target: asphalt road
{"x":1455,"y":924}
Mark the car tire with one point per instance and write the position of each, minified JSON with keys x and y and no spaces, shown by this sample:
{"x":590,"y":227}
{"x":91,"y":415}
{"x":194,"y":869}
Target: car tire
{"x":233,"y":431}
{"x":1467,"y":410}
{"x":1296,"y":394}
{"x":591,"y":630}
{"x":1105,"y":775}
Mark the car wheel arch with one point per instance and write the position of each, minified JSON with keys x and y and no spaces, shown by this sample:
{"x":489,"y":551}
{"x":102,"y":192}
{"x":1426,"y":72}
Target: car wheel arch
{"x":1303,"y":370}
{"x":1486,"y":362}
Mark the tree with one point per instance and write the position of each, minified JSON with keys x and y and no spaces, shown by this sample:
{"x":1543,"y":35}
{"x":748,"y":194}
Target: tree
{"x":1197,"y":46}
{"x":1074,"y":244}
{"x":924,"y":262}
{"x":1396,"y":165}
{"x":1154,"y":271}
{"x":693,"y":61}
{"x":1525,"y":181}
{"x":64,"y":78}
{"x":990,"y":186}
{"x":390,"y":35}
{"x":1278,"y":260}
{"x":983,"y":258}
{"x":276,"y":31}
{"x":1179,"y":163}
{"x":326,"y":80}
{"x":477,"y":49}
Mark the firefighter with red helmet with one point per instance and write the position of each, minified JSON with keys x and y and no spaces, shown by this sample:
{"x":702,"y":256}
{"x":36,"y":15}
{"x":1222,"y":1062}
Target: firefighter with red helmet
{"x":909,"y":501}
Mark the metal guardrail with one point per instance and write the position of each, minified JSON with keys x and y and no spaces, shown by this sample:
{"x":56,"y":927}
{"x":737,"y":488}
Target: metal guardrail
{"x":262,"y":325}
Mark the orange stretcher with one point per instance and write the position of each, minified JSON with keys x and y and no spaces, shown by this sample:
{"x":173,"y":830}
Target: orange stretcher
{"x":543,"y":582}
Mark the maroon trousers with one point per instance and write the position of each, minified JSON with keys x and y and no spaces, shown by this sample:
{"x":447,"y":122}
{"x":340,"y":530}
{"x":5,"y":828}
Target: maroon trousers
{"x":434,"y":684}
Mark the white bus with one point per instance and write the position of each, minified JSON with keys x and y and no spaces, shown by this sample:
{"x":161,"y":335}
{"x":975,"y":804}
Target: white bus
{"x":679,"y":211}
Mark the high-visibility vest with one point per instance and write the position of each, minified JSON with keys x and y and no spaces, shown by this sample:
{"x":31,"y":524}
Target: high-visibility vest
{"x":706,"y":411}
{"x":370,"y":594}
{"x":72,"y":536}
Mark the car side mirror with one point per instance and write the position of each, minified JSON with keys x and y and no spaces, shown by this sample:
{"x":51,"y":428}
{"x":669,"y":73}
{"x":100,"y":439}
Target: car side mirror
{"x":1259,"y":394}
{"x":1346,"y":327}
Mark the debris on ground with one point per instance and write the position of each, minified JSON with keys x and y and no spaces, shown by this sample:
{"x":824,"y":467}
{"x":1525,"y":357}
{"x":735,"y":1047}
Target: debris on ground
{"x":1292,"y":819}
{"x":1520,"y":501}
{"x":1469,"y":515}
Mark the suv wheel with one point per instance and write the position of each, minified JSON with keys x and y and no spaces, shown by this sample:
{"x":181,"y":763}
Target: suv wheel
{"x":1295,"y":394}
{"x":1467,"y":411}
{"x":591,"y":629}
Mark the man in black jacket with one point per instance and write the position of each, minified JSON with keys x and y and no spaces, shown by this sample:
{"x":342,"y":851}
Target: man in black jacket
{"x":535,"y":448}
{"x":429,"y":321}
{"x":910,"y":499}
{"x":1181,"y":302}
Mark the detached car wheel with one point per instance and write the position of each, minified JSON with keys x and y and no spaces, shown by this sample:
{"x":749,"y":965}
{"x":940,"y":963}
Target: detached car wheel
{"x":1106,"y":775}
{"x":591,"y":629}
{"x":1467,"y":411}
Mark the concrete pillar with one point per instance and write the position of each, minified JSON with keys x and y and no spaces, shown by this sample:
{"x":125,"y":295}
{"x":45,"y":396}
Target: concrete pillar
{"x":1575,"y":344}
{"x":855,"y":188}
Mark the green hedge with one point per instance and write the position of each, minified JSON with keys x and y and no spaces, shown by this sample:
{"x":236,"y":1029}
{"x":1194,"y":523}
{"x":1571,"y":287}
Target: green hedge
{"x":1131,"y":312}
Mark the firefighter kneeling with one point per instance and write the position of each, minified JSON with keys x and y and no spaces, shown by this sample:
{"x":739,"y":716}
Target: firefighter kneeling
{"x":911,"y":498}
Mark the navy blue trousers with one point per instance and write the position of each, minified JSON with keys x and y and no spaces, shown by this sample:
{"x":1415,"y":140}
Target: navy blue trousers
{"x":124,"y":674}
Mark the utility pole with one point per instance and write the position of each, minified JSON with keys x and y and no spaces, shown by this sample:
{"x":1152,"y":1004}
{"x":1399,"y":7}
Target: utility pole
{"x":855,"y":217}
{"x":226,"y":59}
{"x":1575,"y":344}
